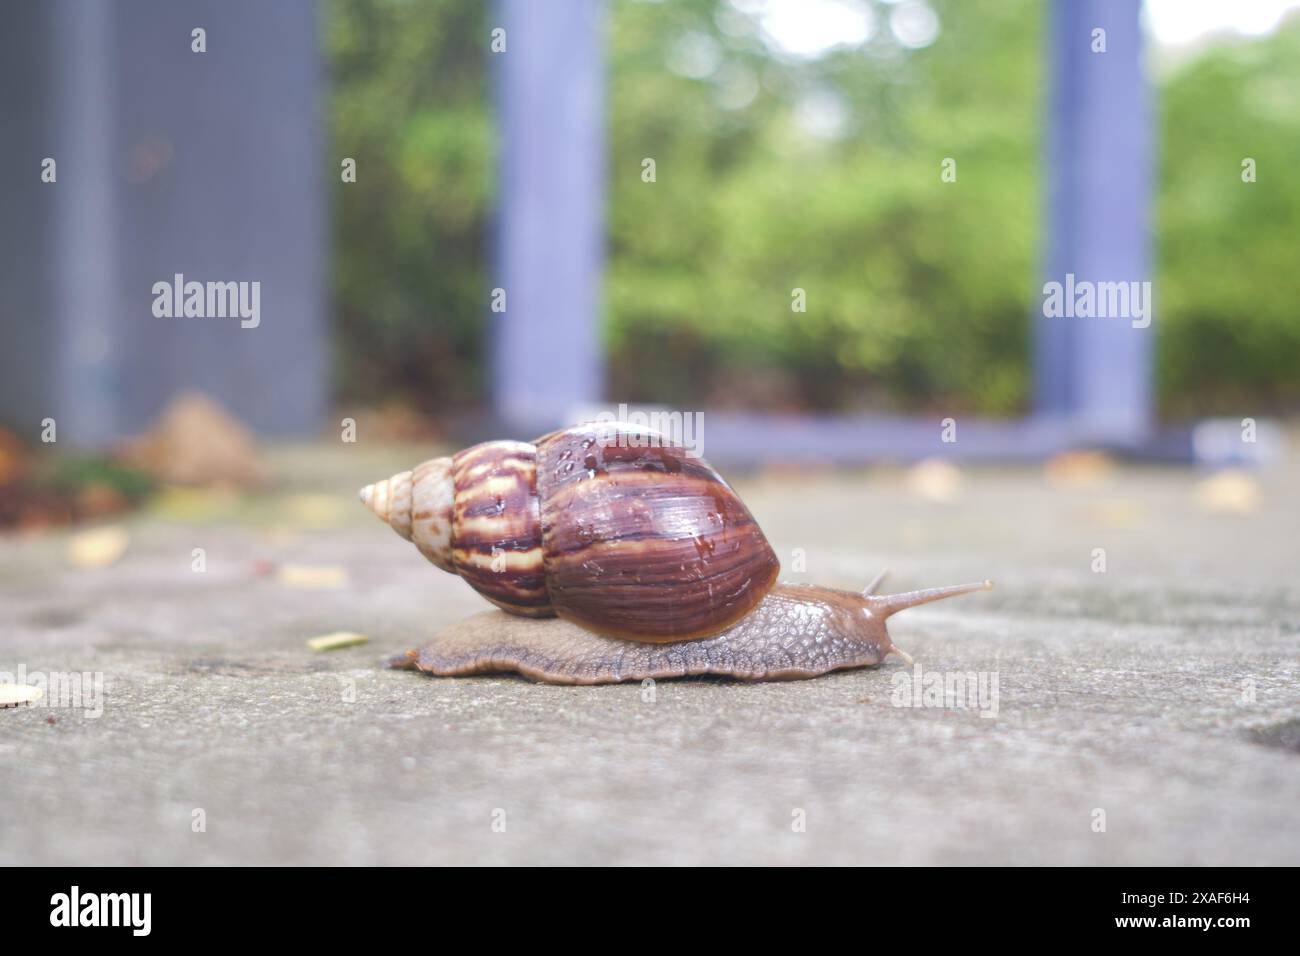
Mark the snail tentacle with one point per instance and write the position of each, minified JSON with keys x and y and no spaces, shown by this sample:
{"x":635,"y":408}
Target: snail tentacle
{"x":874,"y":586}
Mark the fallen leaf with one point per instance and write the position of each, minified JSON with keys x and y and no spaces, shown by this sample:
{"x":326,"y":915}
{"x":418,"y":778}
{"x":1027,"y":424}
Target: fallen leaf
{"x":98,"y":500}
{"x":1079,"y":469}
{"x":314,"y":511}
{"x":13,"y":458}
{"x":1119,"y":513}
{"x":332,"y":642}
{"x":11,"y":695}
{"x":1232,"y":491}
{"x":312,"y":576}
{"x":177,"y":503}
{"x":934,"y":479}
{"x":97,"y":547}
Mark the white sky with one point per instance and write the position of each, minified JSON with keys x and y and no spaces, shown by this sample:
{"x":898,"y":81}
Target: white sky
{"x":810,"y":28}
{"x":1183,"y":21}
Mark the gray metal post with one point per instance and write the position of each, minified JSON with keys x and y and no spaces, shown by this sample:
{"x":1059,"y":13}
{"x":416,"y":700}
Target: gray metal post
{"x":546,"y":351}
{"x":1097,"y":372}
{"x":169,"y":161}
{"x":83,"y":208}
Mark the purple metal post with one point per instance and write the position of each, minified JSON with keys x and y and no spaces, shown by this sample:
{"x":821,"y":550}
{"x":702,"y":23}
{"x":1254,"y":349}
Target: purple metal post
{"x":1096,"y":372}
{"x":546,"y":351}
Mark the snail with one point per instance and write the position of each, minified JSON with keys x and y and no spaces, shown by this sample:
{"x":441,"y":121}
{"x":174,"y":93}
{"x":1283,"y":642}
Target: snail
{"x":652,"y":564}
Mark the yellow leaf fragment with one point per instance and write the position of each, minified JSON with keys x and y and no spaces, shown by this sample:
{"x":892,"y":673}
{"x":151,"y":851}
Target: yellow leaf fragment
{"x":934,"y":480}
{"x":312,"y":576}
{"x":1079,"y":469}
{"x":332,"y":642}
{"x":1231,"y":491}
{"x":1119,"y":513}
{"x":97,"y":547}
{"x":314,"y":511}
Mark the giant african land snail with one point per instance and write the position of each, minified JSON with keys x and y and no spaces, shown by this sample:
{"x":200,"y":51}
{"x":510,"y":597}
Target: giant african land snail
{"x":652,"y":563}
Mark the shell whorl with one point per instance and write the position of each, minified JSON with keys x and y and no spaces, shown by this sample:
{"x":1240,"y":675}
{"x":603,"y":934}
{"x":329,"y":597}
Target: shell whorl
{"x":644,"y":540}
{"x":497,"y":528}
{"x":628,"y":538}
{"x":417,"y":504}
{"x":474,"y":514}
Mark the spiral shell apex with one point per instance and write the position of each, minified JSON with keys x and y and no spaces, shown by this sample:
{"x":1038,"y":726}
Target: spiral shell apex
{"x":417,"y":505}
{"x":612,"y":528}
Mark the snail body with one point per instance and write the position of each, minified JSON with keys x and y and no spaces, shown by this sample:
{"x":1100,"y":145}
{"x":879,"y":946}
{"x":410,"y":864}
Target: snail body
{"x":653,"y":565}
{"x":795,"y":632}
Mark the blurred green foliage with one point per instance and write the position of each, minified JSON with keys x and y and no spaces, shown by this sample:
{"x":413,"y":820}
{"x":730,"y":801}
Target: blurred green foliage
{"x":775,"y":173}
{"x":1228,"y":296}
{"x":409,"y":101}
{"x":70,"y":475}
{"x":916,"y":290}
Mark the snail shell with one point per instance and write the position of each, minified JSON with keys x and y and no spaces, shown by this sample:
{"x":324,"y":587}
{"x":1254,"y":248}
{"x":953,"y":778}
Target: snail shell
{"x":609,"y":527}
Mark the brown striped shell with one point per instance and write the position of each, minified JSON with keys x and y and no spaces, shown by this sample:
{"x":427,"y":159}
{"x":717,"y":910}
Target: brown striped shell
{"x":610,"y":527}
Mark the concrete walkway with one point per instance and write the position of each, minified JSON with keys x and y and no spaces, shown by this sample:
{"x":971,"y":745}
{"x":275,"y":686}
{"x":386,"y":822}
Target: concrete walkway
{"x":1163,"y":693}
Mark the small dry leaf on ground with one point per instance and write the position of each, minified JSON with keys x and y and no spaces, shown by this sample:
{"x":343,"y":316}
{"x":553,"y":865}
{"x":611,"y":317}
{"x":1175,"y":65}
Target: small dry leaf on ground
{"x":97,"y":547}
{"x":934,"y":479}
{"x":332,"y":642}
{"x":13,"y":457}
{"x":1119,"y":513}
{"x":314,"y":510}
{"x":12,"y":695}
{"x":181,"y":503}
{"x":1079,"y":469}
{"x":312,"y":576}
{"x":1232,"y":491}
